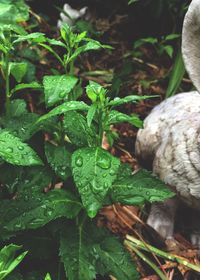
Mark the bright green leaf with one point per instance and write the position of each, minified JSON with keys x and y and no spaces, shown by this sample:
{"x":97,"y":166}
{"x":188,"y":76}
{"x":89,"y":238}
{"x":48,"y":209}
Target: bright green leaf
{"x":94,"y":171}
{"x":57,"y":88}
{"x":117,"y":117}
{"x":14,"y":151}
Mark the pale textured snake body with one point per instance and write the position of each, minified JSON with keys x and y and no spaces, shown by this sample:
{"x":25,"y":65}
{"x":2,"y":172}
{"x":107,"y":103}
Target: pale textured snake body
{"x":171,"y":136}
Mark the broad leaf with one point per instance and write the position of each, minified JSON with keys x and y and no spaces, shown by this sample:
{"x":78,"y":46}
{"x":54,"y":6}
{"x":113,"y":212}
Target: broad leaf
{"x":9,"y":260}
{"x":118,"y":117}
{"x":77,"y":130}
{"x":57,"y":88}
{"x":14,"y":151}
{"x":16,"y":108}
{"x":13,"y":11}
{"x":18,"y":70}
{"x":23,"y":126}
{"x":139,"y":188}
{"x":75,"y":252}
{"x":94,"y":171}
{"x":114,"y":260}
{"x":59,"y":159}
{"x":65,"y":107}
{"x":36,"y":211}
{"x":87,"y":251}
{"x":33,"y":37}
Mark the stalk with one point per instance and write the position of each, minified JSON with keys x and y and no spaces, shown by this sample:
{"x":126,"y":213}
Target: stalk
{"x":133,"y":243}
{"x":7,"y":81}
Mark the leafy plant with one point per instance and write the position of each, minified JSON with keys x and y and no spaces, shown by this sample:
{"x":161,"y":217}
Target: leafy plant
{"x":52,"y":189}
{"x":161,"y":46}
{"x":8,"y":259}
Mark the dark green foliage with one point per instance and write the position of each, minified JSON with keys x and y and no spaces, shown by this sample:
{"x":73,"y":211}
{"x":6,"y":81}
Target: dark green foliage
{"x":54,"y":174}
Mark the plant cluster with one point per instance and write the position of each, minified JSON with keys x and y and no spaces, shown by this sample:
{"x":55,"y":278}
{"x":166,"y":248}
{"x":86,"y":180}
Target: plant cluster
{"x":55,"y":175}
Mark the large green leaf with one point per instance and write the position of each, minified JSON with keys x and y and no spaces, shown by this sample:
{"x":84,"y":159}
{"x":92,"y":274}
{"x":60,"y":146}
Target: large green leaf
{"x":57,"y":88}
{"x":118,"y":117}
{"x":25,"y":180}
{"x":36,"y":211}
{"x":59,"y":159}
{"x":14,"y":151}
{"x":75,"y":252}
{"x":65,"y":107}
{"x":94,"y":171}
{"x":138,"y":188}
{"x":87,"y":251}
{"x":12,"y":11}
{"x":114,"y":260}
{"x":77,"y":130}
{"x":9,"y":260}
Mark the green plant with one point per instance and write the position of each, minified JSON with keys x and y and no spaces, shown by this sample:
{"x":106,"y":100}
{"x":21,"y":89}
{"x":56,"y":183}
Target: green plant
{"x":54,"y":186}
{"x":8,"y":259}
{"x":161,"y":46}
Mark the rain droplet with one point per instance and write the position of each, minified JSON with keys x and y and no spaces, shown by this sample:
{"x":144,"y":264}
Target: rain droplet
{"x":104,"y":163}
{"x":9,"y":150}
{"x":62,"y":94}
{"x":21,"y":148}
{"x":79,"y":161}
{"x":112,"y":172}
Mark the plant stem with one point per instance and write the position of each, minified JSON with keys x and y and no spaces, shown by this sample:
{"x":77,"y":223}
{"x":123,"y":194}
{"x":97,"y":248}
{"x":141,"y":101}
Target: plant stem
{"x":147,"y":260}
{"x":7,"y":81}
{"x":133,"y":242}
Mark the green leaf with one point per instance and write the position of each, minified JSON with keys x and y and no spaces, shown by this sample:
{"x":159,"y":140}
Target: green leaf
{"x":47,"y":47}
{"x":139,"y":188}
{"x":172,"y":37}
{"x":18,"y":70}
{"x":25,"y":181}
{"x":36,"y":211}
{"x":176,"y":76}
{"x":169,"y":50}
{"x":95,"y":90}
{"x":75,"y":247}
{"x":91,"y":113}
{"x":94,"y":171}
{"x":59,"y":159}
{"x":16,"y":108}
{"x":57,"y":88}
{"x":8,"y":259}
{"x":77,"y":130}
{"x":87,"y":251}
{"x":114,"y":260}
{"x":117,"y":117}
{"x":13,"y":11}
{"x":65,"y":107}
{"x":47,"y":277}
{"x":22,"y":126}
{"x":33,"y":85}
{"x":36,"y":37}
{"x":14,"y":151}
{"x":130,"y":98}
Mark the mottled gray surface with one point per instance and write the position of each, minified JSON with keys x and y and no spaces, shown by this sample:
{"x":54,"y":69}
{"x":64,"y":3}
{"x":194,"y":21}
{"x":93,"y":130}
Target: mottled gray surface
{"x":170,"y":139}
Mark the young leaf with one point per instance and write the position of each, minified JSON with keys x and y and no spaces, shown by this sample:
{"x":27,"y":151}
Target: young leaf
{"x":75,"y":248}
{"x":14,"y":151}
{"x":130,"y":98}
{"x":77,"y":130}
{"x":34,"y":212}
{"x":57,"y":88}
{"x":33,"y":85}
{"x":91,"y":114}
{"x":95,"y":90}
{"x":18,"y":70}
{"x":176,"y":76}
{"x":48,"y":277}
{"x":8,"y":261}
{"x":117,"y":117}
{"x":36,"y":37}
{"x":65,"y":107}
{"x":59,"y":159}
{"x":138,"y":188}
{"x":94,"y":171}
